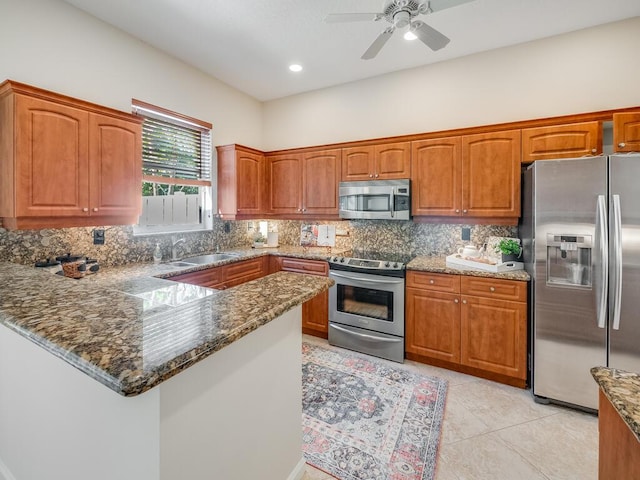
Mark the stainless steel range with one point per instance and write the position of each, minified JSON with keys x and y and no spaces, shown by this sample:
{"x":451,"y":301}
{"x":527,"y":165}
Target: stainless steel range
{"x":366,"y":304}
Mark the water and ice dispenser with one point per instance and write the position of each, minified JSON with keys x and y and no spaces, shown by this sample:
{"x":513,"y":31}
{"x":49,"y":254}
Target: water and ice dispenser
{"x":569,"y":260}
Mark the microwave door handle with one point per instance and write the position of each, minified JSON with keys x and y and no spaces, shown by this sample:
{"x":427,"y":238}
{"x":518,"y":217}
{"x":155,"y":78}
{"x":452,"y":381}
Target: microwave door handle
{"x":393,"y":201}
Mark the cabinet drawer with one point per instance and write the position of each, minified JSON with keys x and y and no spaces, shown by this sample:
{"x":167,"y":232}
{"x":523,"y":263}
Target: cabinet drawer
{"x":311,"y":267}
{"x":211,"y":277}
{"x":246,"y":268}
{"x":441,"y":282}
{"x":494,"y":288}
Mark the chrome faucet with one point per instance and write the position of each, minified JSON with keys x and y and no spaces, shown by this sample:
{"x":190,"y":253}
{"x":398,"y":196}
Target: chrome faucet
{"x":174,"y":244}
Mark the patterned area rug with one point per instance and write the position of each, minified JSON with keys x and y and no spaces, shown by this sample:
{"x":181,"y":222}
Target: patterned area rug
{"x":363,"y":419}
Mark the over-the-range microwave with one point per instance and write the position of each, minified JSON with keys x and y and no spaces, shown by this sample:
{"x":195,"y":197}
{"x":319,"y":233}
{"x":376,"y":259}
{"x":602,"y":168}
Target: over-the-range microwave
{"x":375,"y":199}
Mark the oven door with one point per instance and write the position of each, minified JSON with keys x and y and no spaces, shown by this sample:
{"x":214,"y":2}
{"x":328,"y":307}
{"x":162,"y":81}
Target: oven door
{"x":371,"y":302}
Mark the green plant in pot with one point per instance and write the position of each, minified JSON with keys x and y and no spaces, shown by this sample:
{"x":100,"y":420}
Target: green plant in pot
{"x":258,"y":240}
{"x":510,"y":249}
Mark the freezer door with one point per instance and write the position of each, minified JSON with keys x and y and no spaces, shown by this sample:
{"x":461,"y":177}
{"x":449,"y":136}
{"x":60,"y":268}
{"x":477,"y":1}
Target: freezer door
{"x":568,"y":278}
{"x":624,"y":298}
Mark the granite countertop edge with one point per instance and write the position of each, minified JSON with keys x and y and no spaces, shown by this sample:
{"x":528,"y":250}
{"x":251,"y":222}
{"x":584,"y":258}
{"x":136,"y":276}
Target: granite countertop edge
{"x":622,"y":388}
{"x":438,"y":264}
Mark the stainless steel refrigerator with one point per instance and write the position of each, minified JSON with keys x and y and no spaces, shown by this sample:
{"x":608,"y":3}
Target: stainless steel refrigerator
{"x":580,"y":231}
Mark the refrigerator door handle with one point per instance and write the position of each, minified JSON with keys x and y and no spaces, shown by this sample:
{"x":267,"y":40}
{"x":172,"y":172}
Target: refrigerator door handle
{"x":601,"y":232}
{"x":617,"y":253}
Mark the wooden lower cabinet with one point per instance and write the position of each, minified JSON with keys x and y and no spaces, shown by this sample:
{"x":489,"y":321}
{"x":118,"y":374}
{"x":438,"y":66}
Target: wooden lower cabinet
{"x":470,"y":324}
{"x":227,"y":276}
{"x":315,"y":312}
{"x":619,"y":449}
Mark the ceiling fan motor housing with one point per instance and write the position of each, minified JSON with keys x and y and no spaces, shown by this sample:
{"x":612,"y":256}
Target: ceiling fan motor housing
{"x":400,"y":12}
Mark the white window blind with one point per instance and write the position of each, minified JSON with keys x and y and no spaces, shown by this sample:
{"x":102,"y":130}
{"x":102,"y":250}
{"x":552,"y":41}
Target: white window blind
{"x":176,"y":169}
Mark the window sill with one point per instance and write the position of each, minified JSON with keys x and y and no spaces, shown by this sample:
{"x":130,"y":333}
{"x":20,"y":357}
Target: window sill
{"x":145,"y":231}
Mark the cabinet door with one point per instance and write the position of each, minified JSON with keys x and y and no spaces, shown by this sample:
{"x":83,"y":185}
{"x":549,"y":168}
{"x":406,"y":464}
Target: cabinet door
{"x":241,"y":272}
{"x":249,"y":183}
{"x":491,"y":174}
{"x":626,"y":132}
{"x":321,"y":175}
{"x":561,"y":141}
{"x":432,"y":324}
{"x":115,"y":165}
{"x":315,"y":315}
{"x":436,"y":177}
{"x":285,"y":187}
{"x":494,"y":336}
{"x":357,"y":163}
{"x":393,"y":160}
{"x":51,"y":168}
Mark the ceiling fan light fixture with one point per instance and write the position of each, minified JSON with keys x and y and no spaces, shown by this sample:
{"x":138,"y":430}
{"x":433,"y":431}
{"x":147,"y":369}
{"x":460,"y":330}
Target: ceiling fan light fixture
{"x":409,"y":35}
{"x":294,"y":67}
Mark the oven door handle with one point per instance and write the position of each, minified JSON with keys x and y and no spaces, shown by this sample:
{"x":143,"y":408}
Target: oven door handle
{"x":364,"y":336}
{"x":360,"y":279}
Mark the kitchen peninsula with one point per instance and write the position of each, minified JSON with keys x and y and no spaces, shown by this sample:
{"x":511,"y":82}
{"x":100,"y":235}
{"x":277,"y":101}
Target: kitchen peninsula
{"x":232,"y":413}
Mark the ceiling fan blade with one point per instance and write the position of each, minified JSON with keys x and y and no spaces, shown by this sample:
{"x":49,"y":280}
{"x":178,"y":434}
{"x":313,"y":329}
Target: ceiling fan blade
{"x":377,"y":44}
{"x":431,"y":37}
{"x":437,"y":5}
{"x":351,"y":17}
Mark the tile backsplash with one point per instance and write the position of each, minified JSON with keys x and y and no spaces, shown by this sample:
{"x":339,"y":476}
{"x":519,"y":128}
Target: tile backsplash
{"x":121,"y":246}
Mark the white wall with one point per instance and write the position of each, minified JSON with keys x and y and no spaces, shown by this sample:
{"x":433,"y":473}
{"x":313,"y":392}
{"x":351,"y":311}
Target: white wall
{"x":52,"y":45}
{"x":588,"y":70}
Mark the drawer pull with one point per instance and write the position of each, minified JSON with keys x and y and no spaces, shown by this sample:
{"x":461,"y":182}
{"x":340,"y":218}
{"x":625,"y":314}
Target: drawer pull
{"x":431,"y":282}
{"x":492,"y":289}
{"x":464,"y":301}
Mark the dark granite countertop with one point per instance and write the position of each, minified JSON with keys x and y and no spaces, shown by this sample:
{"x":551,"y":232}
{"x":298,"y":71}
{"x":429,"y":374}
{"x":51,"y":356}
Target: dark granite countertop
{"x":439,"y":265}
{"x":130,"y":330}
{"x":623,"y":391}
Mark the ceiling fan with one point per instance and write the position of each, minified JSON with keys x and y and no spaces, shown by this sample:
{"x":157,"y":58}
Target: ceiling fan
{"x":401,"y":14}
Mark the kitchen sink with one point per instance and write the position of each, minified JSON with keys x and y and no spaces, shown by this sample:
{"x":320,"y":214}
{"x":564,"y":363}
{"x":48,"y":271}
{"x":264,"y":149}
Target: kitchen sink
{"x":181,"y":264}
{"x":210,"y":258}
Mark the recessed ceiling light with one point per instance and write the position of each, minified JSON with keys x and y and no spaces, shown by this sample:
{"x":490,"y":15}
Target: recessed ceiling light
{"x":295,"y":67}
{"x":410,"y":35}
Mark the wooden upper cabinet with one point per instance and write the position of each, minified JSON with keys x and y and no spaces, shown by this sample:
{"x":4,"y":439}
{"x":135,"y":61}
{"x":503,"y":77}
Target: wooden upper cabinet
{"x":626,"y":132}
{"x":65,"y":162}
{"x":52,"y":149}
{"x":561,"y":141}
{"x":321,"y":175}
{"x":358,"y":163}
{"x":115,"y":175}
{"x":284,"y":174}
{"x":436,"y":174}
{"x":491,"y":175}
{"x":377,"y":162}
{"x":304,"y":183}
{"x":393,"y":161}
{"x":241,"y":182}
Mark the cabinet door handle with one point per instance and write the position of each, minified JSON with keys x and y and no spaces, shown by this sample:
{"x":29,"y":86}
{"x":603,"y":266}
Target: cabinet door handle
{"x":377,"y":175}
{"x":456,"y":301}
{"x":299,"y":209}
{"x":95,"y":209}
{"x":85,"y":209}
{"x":464,"y":301}
{"x":594,"y":150}
{"x":371,"y":175}
{"x":622,"y":144}
{"x":492,"y":289}
{"x":464,"y":211}
{"x":457,"y":210}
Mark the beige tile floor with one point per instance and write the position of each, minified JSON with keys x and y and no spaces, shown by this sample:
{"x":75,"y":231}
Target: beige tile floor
{"x":496,"y":432}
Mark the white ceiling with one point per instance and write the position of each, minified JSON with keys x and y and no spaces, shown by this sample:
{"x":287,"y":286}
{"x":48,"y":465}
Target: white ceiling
{"x":249,"y":44}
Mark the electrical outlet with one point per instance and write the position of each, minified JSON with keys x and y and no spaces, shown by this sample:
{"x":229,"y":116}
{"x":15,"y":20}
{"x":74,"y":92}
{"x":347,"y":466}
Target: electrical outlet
{"x":227,"y":227}
{"x":466,"y":233}
{"x":98,"y":236}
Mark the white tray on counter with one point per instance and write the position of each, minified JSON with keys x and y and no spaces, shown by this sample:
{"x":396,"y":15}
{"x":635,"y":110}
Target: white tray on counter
{"x":458,"y":262}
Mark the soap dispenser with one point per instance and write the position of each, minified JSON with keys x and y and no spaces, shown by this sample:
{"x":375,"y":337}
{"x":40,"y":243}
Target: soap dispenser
{"x":157,"y":254}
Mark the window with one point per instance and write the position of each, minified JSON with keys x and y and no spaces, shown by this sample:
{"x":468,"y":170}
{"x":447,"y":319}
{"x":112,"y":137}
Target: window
{"x":176,"y":171}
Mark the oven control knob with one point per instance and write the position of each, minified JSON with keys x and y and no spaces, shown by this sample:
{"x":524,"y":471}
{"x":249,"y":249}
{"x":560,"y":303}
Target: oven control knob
{"x":335,"y":259}
{"x":395,"y":265}
{"x":387,"y":264}
{"x":342,"y":260}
